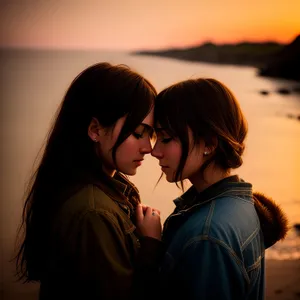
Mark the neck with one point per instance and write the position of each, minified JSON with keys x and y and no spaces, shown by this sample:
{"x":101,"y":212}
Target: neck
{"x":211,"y":175}
{"x":108,"y":171}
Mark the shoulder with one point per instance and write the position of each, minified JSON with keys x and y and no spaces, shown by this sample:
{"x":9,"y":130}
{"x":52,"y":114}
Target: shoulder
{"x":232,"y":211}
{"x":92,"y":202}
{"x":89,"y":197}
{"x":223,"y":218}
{"x":234,"y":223}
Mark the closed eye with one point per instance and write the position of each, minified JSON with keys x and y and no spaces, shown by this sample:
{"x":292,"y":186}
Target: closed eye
{"x":137,"y":135}
{"x":166,"y":140}
{"x":163,"y":135}
{"x":144,"y":130}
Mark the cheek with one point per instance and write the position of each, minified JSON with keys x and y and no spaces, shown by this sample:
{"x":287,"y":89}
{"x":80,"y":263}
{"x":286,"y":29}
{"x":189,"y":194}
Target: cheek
{"x":127,"y":148}
{"x":193,"y":163}
{"x":173,"y":154}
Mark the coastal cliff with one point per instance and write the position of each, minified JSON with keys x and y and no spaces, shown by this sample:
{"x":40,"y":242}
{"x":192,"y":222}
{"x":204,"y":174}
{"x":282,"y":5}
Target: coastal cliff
{"x":286,"y":63}
{"x":270,"y":58}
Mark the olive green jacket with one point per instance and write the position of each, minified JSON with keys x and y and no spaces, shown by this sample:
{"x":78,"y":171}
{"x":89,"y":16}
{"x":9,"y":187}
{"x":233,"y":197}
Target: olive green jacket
{"x":95,"y":252}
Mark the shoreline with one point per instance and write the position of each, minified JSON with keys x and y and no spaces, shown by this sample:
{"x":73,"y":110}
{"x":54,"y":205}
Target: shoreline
{"x":259,"y":67}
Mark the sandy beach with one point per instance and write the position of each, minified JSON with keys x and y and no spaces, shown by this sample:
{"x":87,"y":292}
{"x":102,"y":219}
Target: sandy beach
{"x":282,"y":283}
{"x":283,"y":280}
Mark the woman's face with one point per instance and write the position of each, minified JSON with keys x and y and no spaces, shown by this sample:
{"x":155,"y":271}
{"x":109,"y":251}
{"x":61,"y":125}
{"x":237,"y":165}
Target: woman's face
{"x":131,"y":152}
{"x":168,"y":151}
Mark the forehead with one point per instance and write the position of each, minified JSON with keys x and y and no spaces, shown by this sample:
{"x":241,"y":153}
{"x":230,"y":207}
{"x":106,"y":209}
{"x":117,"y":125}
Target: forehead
{"x":167,"y":131}
{"x":158,"y":129}
{"x":149,"y":119}
{"x":161,"y":127}
{"x":117,"y":127}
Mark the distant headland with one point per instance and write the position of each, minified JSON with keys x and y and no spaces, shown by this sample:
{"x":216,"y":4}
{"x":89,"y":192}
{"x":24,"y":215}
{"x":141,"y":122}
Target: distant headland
{"x":270,"y":58}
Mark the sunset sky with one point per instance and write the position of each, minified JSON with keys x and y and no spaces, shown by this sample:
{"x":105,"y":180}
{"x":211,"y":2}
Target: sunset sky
{"x":141,"y":24}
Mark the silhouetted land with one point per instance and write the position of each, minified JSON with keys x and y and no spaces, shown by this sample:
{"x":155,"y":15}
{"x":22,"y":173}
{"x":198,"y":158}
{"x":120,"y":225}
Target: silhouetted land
{"x":284,"y":64}
{"x":271,"y":59}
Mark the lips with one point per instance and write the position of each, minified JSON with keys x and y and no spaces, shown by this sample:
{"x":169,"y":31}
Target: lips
{"x":163,"y":167}
{"x":139,"y":160}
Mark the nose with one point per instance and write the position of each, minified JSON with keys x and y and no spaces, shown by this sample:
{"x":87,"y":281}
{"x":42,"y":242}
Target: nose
{"x":156,"y":152}
{"x":146,"y":146}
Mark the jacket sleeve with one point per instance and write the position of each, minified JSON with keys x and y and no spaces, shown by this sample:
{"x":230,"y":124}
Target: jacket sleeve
{"x":146,"y":275}
{"x":105,"y":267}
{"x":211,"y":271}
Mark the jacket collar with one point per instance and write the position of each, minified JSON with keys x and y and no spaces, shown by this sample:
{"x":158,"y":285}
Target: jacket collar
{"x":227,"y":185}
{"x":122,"y":191}
{"x":123,"y":185}
{"x":273,"y":220}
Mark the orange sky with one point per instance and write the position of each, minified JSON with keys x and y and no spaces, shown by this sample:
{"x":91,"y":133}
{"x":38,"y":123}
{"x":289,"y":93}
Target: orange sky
{"x":139,"y":24}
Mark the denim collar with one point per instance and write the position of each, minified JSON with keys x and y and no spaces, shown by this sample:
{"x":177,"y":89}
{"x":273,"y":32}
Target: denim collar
{"x":232,"y":183}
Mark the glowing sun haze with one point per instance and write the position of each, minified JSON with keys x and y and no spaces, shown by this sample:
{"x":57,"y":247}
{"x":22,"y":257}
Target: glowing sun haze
{"x":141,"y":24}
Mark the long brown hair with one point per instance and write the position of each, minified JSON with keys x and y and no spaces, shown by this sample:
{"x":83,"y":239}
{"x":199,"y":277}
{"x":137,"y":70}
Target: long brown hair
{"x":69,"y":160}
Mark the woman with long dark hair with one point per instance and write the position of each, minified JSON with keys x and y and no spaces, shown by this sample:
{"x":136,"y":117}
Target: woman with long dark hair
{"x":80,"y":239}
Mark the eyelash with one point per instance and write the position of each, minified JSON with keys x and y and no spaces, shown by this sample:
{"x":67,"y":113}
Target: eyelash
{"x":141,"y":135}
{"x":166,"y":140}
{"x":137,"y":135}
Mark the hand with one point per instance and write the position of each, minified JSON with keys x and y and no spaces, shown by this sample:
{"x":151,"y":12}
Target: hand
{"x":148,"y":221}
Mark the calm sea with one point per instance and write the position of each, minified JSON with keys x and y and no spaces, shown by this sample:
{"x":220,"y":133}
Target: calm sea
{"x":33,"y":83}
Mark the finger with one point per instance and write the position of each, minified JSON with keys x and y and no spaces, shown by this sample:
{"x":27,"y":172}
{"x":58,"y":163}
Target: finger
{"x":157,"y":211}
{"x":148,"y":212}
{"x":154,"y":213}
{"x":144,"y":208}
{"x":139,"y":213}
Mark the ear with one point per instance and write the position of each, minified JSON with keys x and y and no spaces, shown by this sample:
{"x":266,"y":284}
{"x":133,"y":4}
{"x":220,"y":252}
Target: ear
{"x":209,"y":148}
{"x":94,"y":130}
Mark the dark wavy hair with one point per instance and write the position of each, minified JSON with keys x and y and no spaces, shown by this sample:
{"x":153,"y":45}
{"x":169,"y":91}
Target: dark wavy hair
{"x":212,"y":113}
{"x":101,"y":91}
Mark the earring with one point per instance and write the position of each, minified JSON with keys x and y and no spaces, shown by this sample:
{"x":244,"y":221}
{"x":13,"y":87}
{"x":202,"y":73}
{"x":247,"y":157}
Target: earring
{"x":95,"y":140}
{"x":206,"y":153}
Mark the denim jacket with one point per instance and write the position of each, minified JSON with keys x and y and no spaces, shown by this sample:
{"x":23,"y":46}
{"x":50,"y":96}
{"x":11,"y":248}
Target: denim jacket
{"x":216,"y":243}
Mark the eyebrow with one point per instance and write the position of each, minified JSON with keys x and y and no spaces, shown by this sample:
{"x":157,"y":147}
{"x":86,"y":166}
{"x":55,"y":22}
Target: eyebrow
{"x":159,"y":129}
{"x":164,"y":131}
{"x":147,"y":126}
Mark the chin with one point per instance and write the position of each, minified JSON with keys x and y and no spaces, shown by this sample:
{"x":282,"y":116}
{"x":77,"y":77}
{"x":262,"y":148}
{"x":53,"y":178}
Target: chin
{"x":170,"y":179}
{"x":130,"y":172}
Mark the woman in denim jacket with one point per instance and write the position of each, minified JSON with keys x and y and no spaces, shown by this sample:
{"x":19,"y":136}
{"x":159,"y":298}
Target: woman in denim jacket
{"x":80,"y":237}
{"x":217,"y":235}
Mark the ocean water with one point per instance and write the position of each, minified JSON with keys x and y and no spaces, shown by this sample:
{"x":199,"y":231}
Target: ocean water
{"x":33,"y":83}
